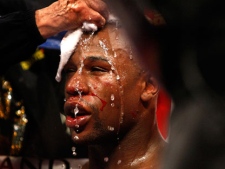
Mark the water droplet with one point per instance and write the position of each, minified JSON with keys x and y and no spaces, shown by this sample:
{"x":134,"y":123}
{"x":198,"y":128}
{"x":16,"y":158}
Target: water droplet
{"x":76,"y":137}
{"x":119,"y":161}
{"x":81,"y":67}
{"x":101,"y":43}
{"x":110,"y":73}
{"x":106,"y":159}
{"x":80,"y":94}
{"x":74,"y":153}
{"x":77,"y":86}
{"x":110,"y":128}
{"x":64,"y":99}
{"x":117,"y":77}
{"x":73,"y":148}
{"x":121,"y":118}
{"x":112,"y":104}
{"x":76,"y":110}
{"x":131,"y":56}
{"x":112,"y":97}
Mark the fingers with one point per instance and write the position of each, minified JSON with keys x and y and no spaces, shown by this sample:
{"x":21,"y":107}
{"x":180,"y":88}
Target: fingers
{"x":99,"y":6}
{"x":93,"y":11}
{"x":94,"y":17}
{"x":64,"y":15}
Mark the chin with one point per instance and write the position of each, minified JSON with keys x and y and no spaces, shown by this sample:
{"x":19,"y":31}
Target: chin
{"x":82,"y":137}
{"x":93,"y":138}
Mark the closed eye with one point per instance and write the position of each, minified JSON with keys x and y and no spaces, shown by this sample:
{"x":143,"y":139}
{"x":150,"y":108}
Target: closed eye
{"x":98,"y":69}
{"x":66,"y":71}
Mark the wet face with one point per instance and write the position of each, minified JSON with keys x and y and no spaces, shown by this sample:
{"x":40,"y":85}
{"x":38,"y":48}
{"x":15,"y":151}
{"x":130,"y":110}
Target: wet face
{"x":103,"y":87}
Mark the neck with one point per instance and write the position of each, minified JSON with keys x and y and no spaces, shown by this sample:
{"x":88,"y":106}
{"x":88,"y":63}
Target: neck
{"x":137,"y":150}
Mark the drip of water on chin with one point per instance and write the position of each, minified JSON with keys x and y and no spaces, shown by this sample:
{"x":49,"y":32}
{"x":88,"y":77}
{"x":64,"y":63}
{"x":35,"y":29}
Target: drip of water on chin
{"x":76,"y":137}
{"x":74,"y":151}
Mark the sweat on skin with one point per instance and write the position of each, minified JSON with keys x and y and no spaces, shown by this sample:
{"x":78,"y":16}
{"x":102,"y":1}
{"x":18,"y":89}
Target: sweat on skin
{"x":111,"y":102}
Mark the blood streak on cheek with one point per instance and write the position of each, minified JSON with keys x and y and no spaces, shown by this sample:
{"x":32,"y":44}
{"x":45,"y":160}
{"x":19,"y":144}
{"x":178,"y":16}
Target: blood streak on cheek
{"x":103,"y":101}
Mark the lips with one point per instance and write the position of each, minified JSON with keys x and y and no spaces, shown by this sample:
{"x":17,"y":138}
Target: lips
{"x":78,"y":122}
{"x":82,"y":115}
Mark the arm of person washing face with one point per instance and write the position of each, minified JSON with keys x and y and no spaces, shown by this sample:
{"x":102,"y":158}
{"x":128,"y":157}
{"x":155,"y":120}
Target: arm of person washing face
{"x":23,"y":29}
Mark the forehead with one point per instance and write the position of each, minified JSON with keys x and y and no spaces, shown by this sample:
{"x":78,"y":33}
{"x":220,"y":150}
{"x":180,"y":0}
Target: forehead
{"x":109,"y":41}
{"x":112,"y":44}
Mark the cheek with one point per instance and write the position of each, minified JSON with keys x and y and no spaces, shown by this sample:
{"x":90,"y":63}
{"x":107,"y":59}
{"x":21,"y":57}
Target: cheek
{"x":103,"y":84}
{"x":106,"y":90}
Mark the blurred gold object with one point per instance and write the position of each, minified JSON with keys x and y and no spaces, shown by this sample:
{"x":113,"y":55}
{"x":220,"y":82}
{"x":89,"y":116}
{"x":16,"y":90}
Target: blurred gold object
{"x":18,"y":131}
{"x":38,"y":55}
{"x":5,"y":99}
{"x":11,"y":118}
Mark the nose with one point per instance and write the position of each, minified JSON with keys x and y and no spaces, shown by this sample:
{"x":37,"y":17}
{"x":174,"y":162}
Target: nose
{"x":76,"y":85}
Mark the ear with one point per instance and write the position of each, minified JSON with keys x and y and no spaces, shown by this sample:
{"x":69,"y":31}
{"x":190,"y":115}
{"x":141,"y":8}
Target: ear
{"x":151,"y":88}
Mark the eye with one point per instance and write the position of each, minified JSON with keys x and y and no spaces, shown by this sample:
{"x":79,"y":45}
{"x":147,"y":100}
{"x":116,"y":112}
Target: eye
{"x":98,"y":69}
{"x":68,"y":70}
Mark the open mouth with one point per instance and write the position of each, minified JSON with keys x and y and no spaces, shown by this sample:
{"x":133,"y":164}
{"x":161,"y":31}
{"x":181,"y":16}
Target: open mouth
{"x":76,"y":115}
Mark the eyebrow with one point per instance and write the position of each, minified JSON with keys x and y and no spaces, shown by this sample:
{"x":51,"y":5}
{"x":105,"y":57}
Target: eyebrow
{"x":96,"y":58}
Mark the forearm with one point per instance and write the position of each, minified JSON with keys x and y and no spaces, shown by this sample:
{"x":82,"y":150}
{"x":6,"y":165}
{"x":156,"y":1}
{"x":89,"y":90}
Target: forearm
{"x":22,"y":31}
